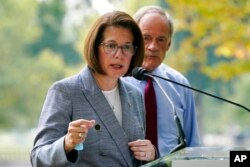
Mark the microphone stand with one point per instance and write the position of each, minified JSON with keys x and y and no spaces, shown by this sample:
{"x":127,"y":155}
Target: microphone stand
{"x":141,"y":74}
{"x":239,"y":105}
{"x":182,"y":142}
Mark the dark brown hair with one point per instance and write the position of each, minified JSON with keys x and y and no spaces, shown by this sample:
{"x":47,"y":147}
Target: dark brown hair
{"x":95,"y":37}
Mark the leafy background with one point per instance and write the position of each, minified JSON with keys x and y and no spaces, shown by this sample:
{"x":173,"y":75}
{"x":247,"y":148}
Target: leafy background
{"x":42,"y":41}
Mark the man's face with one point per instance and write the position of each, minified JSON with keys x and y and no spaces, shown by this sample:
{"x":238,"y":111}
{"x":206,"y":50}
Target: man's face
{"x":155,"y":30}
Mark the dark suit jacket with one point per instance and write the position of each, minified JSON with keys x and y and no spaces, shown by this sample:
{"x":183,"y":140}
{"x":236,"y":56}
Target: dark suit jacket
{"x":79,"y":97}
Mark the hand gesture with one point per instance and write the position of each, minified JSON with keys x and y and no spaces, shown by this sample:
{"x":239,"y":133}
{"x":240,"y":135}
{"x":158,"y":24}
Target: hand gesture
{"x":143,"y":150}
{"x":77,"y":133}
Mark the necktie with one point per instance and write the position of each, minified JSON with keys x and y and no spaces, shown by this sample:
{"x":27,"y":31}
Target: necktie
{"x":151,"y":112}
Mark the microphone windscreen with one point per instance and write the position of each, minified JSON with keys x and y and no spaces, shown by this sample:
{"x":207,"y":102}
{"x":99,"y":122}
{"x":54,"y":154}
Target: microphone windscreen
{"x":139,"y":73}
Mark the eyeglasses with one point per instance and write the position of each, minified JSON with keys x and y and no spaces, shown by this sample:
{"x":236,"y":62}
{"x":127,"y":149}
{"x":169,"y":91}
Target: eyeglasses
{"x":112,"y":48}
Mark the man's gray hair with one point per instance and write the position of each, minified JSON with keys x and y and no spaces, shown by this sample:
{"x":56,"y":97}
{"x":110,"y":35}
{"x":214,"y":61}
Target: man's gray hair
{"x":155,"y":9}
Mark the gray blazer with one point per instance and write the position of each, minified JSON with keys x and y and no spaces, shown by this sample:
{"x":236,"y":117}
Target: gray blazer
{"x":79,"y":97}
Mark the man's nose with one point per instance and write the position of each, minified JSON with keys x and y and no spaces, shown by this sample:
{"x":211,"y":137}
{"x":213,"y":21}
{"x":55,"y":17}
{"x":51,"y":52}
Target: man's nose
{"x":152,"y":45}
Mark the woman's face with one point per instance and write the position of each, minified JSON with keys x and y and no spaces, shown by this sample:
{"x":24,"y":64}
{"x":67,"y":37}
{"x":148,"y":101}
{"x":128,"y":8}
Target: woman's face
{"x":116,"y":51}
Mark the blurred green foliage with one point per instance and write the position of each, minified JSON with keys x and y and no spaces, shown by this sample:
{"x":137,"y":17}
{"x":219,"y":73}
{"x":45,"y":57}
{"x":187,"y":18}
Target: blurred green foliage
{"x":211,"y":47}
{"x":217,"y":37}
{"x":25,"y":73}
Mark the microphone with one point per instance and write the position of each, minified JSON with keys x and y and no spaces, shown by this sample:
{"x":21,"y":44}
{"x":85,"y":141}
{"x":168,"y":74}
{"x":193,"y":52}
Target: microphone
{"x":141,"y":74}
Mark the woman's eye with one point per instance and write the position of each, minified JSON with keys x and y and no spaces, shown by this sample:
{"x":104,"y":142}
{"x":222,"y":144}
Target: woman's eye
{"x":127,"y":47}
{"x":111,"y":45}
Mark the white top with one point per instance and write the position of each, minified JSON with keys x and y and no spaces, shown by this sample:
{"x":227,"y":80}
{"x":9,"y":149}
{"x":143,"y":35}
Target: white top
{"x":113,"y":98}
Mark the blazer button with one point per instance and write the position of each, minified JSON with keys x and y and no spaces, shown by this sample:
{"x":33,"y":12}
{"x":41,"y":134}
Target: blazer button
{"x":103,"y":154}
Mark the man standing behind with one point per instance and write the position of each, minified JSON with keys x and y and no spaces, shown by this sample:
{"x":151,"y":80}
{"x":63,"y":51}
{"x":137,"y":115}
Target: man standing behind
{"x":157,"y":30}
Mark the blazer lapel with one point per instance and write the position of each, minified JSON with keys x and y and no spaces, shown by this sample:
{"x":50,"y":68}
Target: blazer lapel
{"x":102,"y":108}
{"x":131,"y":116}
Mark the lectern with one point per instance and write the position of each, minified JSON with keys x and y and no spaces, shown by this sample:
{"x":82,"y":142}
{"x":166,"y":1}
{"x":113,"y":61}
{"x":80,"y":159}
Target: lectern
{"x":195,"y":157}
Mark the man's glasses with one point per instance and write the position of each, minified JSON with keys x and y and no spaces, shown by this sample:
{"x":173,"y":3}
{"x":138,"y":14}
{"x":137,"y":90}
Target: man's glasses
{"x":112,"y":48}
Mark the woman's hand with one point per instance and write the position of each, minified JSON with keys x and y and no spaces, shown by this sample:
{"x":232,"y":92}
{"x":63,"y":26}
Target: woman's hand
{"x":143,"y":150}
{"x":77,"y":133}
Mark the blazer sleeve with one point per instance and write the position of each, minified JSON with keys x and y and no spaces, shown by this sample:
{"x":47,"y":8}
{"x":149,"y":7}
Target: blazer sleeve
{"x":56,"y":114}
